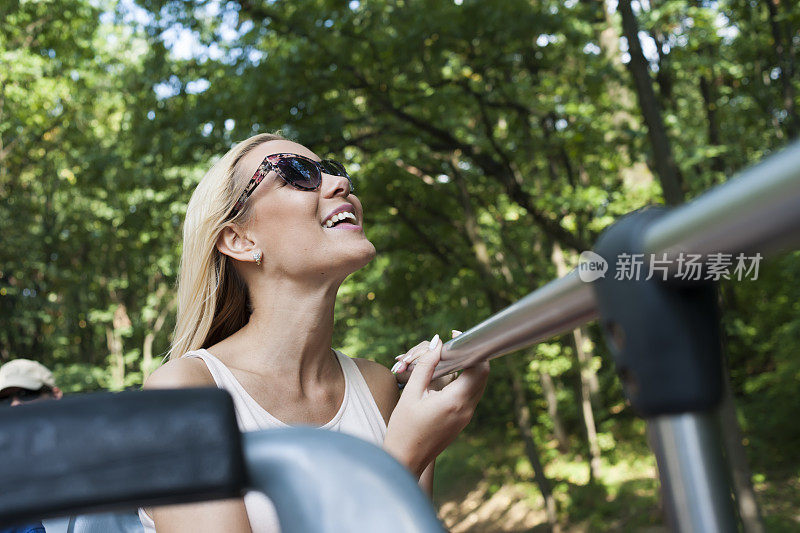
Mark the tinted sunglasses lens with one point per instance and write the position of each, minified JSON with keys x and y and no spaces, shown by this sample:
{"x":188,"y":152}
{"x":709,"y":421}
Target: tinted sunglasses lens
{"x":301,"y":173}
{"x":334,"y":168}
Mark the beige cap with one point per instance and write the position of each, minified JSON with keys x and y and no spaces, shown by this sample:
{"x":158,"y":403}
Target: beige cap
{"x":25,"y":374}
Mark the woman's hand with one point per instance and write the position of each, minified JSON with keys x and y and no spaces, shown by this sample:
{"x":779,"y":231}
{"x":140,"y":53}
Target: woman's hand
{"x":405,"y":360}
{"x":425,"y":420}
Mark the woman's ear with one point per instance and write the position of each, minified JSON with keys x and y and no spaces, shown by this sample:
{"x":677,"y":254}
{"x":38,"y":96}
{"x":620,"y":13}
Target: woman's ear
{"x":234,"y":243}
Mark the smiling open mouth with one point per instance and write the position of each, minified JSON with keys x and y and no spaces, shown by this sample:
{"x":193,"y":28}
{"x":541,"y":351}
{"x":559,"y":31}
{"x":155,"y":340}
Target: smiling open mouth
{"x":345,"y":218}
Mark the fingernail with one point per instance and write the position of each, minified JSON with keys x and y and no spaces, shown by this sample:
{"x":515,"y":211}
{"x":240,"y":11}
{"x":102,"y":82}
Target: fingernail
{"x":395,"y":367}
{"x":407,"y":358}
{"x":456,"y":333}
{"x":434,"y":342}
{"x":399,"y":356}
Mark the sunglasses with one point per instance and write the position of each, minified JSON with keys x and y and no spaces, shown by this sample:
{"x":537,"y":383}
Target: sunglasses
{"x":298,"y":171}
{"x":24,"y":396}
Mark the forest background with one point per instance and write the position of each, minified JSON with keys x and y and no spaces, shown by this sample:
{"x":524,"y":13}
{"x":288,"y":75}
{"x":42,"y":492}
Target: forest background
{"x":491,"y":141}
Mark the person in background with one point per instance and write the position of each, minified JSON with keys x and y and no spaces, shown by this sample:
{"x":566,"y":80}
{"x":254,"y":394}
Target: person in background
{"x":23,"y":381}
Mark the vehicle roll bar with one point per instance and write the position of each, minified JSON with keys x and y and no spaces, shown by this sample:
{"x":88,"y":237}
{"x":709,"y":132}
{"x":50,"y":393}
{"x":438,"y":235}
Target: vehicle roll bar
{"x":661,"y":331}
{"x":758,"y":210}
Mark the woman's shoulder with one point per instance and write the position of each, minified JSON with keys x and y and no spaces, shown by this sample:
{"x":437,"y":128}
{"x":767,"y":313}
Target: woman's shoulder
{"x":382,"y":384}
{"x":182,"y":372}
{"x":373,"y":371}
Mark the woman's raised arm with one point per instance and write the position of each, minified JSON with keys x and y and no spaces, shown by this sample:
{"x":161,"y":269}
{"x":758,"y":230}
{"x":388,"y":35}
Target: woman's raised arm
{"x":425,"y":421}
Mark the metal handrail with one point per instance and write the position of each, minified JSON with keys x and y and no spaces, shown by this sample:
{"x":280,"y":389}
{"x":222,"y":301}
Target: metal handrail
{"x":758,"y":211}
{"x":755,"y":211}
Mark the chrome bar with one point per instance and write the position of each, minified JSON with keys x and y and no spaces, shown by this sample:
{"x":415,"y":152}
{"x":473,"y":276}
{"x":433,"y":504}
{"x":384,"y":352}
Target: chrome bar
{"x":559,"y":306}
{"x":756,"y":211}
{"x":694,"y":478}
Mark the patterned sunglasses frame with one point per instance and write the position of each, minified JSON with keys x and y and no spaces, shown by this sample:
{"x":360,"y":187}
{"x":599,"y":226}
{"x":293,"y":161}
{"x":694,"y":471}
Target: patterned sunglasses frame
{"x":271,"y":163}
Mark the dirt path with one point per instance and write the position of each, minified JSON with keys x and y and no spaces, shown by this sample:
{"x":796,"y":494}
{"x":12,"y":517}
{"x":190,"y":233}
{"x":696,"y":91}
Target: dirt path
{"x":508,"y":509}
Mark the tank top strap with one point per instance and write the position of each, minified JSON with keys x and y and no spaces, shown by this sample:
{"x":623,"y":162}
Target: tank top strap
{"x":222,"y":375}
{"x":360,"y":396}
{"x":350,"y":370}
{"x":250,"y":415}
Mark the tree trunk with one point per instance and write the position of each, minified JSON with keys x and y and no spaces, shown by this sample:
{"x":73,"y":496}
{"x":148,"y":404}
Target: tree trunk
{"x":586,"y":404}
{"x":497,"y":301}
{"x":608,"y":37}
{"x":114,"y":342}
{"x":663,"y":76}
{"x":522,"y":417}
{"x":668,"y":173}
{"x":710,"y":106}
{"x":549,"y":389}
{"x":786,"y":63}
{"x":588,"y":379}
{"x":147,"y":347}
{"x":120,"y":322}
{"x":746,"y":502}
{"x":740,"y":469}
{"x":585,"y":359}
{"x":579,"y":334}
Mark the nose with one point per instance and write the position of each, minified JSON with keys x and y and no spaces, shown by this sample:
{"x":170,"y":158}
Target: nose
{"x":335,"y":186}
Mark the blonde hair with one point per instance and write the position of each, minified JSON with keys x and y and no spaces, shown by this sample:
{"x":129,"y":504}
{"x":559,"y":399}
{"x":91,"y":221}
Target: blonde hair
{"x":213,"y":301}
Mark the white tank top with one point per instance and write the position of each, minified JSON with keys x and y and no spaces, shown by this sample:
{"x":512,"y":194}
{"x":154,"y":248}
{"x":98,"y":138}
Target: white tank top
{"x":358,"y":416}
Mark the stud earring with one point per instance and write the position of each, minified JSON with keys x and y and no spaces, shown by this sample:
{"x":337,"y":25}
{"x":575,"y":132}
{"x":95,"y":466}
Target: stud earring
{"x":257,"y":257}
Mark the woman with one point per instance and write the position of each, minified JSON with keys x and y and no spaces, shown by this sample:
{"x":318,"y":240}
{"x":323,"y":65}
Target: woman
{"x":270,"y":234}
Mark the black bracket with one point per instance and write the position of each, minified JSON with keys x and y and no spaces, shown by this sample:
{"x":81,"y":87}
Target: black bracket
{"x":664,"y":335}
{"x":106,"y":451}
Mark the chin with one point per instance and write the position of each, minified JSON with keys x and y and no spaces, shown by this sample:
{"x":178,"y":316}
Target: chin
{"x":348,"y":260}
{"x":362,"y":259}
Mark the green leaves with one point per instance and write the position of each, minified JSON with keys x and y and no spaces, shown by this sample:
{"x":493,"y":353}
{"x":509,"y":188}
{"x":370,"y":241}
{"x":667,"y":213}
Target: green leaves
{"x":482,"y":134}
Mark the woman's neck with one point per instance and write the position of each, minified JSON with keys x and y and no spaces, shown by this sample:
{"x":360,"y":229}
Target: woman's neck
{"x":289,"y":333}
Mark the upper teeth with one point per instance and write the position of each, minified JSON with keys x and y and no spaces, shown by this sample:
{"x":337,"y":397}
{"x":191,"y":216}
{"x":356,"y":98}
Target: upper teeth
{"x":340,"y":216}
